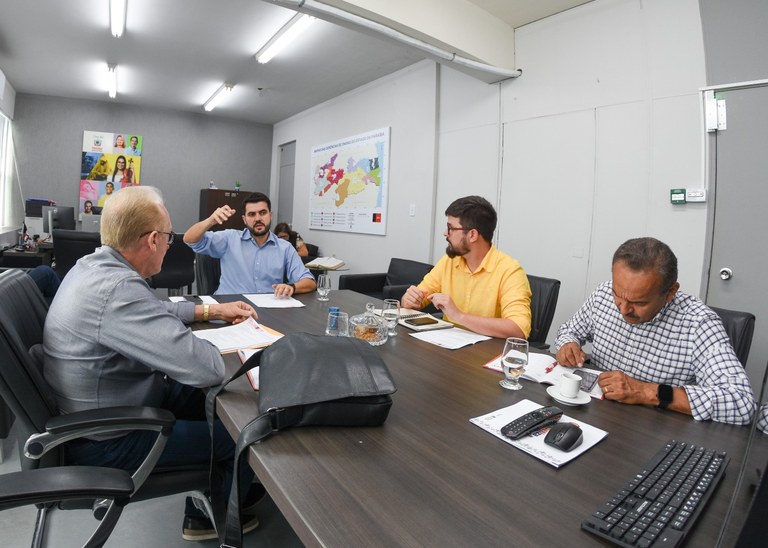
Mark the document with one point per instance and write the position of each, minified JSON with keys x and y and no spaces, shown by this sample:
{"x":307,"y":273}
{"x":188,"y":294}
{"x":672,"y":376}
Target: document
{"x":325,"y":263}
{"x":534,"y":444}
{"x":268,"y":300}
{"x":253,"y":373}
{"x":543,"y":368}
{"x":450,"y":338}
{"x":248,"y":334}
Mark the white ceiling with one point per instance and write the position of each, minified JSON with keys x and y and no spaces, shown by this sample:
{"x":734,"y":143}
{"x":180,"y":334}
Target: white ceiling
{"x":176,"y":53}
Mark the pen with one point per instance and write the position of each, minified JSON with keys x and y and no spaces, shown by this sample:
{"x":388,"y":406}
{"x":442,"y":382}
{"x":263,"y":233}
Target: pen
{"x":551,"y":367}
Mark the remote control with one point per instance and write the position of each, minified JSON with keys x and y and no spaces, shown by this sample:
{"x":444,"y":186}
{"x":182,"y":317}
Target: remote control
{"x":530,"y":422}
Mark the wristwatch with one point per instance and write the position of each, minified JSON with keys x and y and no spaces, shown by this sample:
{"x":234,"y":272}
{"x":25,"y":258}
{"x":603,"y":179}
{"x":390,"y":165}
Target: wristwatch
{"x":293,"y":286}
{"x":664,"y":394}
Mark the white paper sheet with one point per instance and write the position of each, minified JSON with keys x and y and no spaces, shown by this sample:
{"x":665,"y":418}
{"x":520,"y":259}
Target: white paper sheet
{"x":450,"y":338}
{"x":268,"y":300}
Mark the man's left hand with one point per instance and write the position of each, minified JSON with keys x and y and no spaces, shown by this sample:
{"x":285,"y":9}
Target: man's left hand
{"x":445,"y":304}
{"x":283,"y":290}
{"x":618,"y":386}
{"x":233,"y":312}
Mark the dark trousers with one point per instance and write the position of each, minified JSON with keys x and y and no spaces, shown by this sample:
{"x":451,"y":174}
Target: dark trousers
{"x":189,"y":443}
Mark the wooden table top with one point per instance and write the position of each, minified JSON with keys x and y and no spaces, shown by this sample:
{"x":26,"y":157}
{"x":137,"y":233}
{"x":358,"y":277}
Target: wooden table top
{"x":429,"y":477}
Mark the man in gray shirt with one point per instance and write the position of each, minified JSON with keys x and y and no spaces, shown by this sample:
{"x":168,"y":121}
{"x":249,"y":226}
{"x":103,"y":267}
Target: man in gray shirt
{"x":109,"y":341}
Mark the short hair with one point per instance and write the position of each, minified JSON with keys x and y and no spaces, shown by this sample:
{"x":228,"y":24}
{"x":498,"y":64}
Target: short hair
{"x":474,"y":212}
{"x":257,"y":197}
{"x":641,"y":254}
{"x":129,"y":213}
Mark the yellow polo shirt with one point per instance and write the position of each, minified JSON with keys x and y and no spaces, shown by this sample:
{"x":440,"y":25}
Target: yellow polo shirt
{"x":497,"y":289}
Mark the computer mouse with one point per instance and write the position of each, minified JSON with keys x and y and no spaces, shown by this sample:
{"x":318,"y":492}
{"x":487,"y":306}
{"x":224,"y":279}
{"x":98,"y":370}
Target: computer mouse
{"x":565,"y":436}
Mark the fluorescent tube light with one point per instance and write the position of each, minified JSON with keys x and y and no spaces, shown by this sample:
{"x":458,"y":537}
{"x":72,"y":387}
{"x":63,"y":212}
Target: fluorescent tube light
{"x":217,"y":96}
{"x":295,"y":26}
{"x":117,"y":10}
{"x":112,"y":80}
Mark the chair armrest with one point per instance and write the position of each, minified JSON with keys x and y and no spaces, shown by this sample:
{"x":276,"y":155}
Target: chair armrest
{"x":64,"y":428}
{"x":394,"y":291}
{"x":63,"y":483}
{"x":363,"y":283}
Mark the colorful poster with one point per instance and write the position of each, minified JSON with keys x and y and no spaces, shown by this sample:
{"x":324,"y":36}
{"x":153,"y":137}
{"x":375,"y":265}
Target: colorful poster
{"x":349,"y":184}
{"x":110,"y":161}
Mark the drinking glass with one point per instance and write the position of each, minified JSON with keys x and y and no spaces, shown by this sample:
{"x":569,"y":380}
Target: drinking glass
{"x":338,"y":324}
{"x":513,"y":362}
{"x":323,"y":287}
{"x":391,"y":313}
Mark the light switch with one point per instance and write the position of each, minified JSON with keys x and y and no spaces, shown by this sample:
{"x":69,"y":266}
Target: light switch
{"x":412,"y":210}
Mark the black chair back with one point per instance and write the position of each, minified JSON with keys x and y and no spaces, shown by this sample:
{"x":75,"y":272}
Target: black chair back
{"x":207,"y":274}
{"x":740,"y":326}
{"x":544,"y":294}
{"x":70,"y":245}
{"x":406,"y":272}
{"x":178,"y":268}
{"x":22,"y":385}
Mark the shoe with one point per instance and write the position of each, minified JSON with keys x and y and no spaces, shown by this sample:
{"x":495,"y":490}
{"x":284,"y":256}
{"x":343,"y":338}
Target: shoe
{"x":201,"y":528}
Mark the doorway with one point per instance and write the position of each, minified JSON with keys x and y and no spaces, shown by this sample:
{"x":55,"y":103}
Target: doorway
{"x":285,"y":176}
{"x":738,"y":179}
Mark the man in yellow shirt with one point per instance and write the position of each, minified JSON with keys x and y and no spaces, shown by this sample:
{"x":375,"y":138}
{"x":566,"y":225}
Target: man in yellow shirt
{"x":476,"y":285}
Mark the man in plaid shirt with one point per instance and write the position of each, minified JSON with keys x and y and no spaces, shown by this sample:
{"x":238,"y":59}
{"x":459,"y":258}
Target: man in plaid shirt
{"x":657,"y":345}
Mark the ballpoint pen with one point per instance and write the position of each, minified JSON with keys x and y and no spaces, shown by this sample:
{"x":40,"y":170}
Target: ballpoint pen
{"x":551,"y":367}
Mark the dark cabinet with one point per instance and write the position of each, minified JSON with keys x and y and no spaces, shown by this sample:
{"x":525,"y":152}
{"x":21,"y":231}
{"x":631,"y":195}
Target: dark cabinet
{"x":213,"y":198}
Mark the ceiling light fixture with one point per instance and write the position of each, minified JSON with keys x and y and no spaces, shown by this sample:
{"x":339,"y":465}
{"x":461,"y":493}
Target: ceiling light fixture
{"x":117,"y":10}
{"x":295,"y":26}
{"x":112,"y":80}
{"x":217,"y":96}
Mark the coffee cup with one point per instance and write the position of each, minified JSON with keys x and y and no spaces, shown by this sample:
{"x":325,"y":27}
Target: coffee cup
{"x":570,"y":384}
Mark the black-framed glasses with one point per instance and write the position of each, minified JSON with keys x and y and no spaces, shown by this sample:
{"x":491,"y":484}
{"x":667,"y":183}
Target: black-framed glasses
{"x":450,"y":228}
{"x":171,"y":235}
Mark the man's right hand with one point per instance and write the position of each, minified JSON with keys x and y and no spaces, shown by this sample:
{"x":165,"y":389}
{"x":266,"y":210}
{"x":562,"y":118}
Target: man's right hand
{"x":221,"y":215}
{"x":413,"y":298}
{"x":571,"y":355}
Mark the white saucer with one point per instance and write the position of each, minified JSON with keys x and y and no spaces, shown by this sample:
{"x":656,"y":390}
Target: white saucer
{"x":581,"y":399}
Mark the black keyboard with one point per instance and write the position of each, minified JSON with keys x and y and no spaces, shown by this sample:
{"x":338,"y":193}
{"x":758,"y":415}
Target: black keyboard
{"x":660,"y":504}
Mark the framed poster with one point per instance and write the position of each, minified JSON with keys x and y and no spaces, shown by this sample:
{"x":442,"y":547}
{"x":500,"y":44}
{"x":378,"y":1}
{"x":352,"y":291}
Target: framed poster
{"x":348,"y":192}
{"x":109,"y":162}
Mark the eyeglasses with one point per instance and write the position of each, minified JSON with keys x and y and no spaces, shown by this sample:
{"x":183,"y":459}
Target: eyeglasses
{"x":171,"y":235}
{"x":450,"y":228}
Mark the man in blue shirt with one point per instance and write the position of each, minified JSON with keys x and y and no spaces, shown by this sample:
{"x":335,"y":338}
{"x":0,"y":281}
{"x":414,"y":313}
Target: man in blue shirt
{"x":253,"y":260}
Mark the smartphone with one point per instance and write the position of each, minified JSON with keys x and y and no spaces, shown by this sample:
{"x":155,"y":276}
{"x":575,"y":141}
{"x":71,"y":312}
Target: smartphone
{"x":588,"y":379}
{"x":421,"y":321}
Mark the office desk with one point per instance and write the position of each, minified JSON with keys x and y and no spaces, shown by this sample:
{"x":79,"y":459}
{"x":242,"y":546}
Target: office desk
{"x":10,"y":258}
{"x":428,"y":477}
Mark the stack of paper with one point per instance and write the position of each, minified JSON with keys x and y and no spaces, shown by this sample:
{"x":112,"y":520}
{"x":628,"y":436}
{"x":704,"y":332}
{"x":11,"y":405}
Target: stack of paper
{"x":534,"y":444}
{"x":248,"y":334}
{"x":325,"y":263}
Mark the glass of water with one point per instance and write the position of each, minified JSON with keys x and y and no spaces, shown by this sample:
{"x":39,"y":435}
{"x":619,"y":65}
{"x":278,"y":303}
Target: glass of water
{"x":391,"y":314}
{"x":323,"y":287}
{"x":513,"y":362}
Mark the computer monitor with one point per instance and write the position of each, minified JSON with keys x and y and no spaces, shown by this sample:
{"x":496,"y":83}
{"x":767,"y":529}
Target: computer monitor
{"x":58,"y":217}
{"x":91,"y":223}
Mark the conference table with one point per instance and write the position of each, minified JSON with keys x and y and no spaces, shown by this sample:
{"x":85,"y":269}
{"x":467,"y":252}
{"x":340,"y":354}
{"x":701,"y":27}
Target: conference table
{"x":429,"y":477}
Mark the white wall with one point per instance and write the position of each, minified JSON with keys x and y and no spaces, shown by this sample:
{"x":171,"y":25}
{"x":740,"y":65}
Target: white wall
{"x":406,"y":102}
{"x":602,"y":124}
{"x":578,"y":154}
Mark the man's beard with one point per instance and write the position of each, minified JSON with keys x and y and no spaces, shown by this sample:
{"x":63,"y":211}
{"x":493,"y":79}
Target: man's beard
{"x":260,"y":232}
{"x":453,"y":252}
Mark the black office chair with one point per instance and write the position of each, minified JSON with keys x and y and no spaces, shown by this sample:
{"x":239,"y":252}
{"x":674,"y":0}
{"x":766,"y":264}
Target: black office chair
{"x":66,"y":483}
{"x":41,"y":430}
{"x":544,"y":294}
{"x":740,"y":326}
{"x":392,"y":284}
{"x":178,"y":269}
{"x":70,"y":245}
{"x":207,"y":274}
{"x":314,"y":253}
